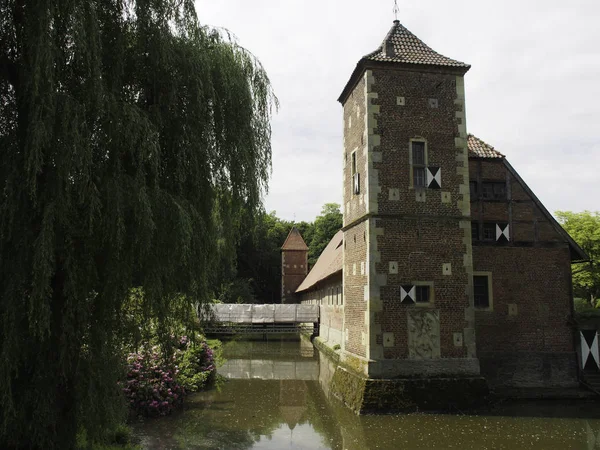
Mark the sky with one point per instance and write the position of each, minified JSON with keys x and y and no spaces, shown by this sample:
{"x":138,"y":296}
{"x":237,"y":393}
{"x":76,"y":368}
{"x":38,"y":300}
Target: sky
{"x":533,"y":91}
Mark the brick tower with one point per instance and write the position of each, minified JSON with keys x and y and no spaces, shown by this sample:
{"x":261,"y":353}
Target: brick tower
{"x":407,"y":234}
{"x":294,"y":265}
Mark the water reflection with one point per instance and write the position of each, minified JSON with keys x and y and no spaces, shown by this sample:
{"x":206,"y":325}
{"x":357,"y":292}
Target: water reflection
{"x":276,"y":398}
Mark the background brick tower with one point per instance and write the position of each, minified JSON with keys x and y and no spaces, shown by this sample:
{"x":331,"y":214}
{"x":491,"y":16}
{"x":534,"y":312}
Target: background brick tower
{"x":407,"y":233}
{"x":294,"y":265}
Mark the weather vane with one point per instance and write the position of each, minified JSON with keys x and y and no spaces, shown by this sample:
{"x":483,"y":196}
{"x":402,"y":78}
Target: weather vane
{"x":396,"y":10}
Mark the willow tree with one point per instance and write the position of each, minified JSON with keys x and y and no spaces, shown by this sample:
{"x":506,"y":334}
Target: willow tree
{"x":131,"y":137}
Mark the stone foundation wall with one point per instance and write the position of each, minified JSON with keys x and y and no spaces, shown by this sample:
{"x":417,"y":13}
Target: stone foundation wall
{"x":366,"y":395}
{"x":529,"y":369}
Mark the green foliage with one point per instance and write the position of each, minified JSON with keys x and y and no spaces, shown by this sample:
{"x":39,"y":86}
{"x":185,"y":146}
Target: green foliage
{"x":138,"y":328}
{"x":584,"y":228}
{"x":132,"y":139}
{"x":256,"y":274}
{"x":119,"y":438}
{"x":581,"y":304}
{"x":196,"y":367}
{"x":239,"y":290}
{"x":258,"y":263}
{"x":326,"y":225}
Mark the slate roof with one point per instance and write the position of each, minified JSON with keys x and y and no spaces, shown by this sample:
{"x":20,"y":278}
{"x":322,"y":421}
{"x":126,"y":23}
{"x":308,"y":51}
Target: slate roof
{"x":294,"y":241}
{"x":480,"y":149}
{"x":401,"y":46}
{"x":330,"y":262}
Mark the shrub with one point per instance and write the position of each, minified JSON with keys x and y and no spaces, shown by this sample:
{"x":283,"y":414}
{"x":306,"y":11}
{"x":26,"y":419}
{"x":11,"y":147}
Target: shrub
{"x":196,"y":367}
{"x":151,"y":387}
{"x":154,"y":387}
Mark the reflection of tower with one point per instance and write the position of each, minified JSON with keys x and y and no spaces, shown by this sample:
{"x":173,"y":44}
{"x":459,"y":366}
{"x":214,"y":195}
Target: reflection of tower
{"x":294,"y":265}
{"x":292,"y":401}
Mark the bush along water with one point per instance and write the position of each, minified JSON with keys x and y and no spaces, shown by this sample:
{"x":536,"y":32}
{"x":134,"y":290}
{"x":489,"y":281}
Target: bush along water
{"x":197,"y":367}
{"x":156,"y":385}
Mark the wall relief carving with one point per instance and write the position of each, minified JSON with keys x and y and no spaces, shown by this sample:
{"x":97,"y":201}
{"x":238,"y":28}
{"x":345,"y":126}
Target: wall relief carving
{"x":423,"y":334}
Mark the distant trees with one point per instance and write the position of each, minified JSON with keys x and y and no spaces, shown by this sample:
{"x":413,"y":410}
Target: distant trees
{"x":584,"y":227}
{"x":328,"y":223}
{"x":256,"y":277}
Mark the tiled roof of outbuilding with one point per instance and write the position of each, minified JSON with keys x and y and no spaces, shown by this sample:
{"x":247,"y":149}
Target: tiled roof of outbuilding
{"x":480,"y":149}
{"x":401,"y":46}
{"x":329,"y":262}
{"x":294,"y":241}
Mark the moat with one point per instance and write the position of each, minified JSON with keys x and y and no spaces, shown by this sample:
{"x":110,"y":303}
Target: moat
{"x":275,"y":396}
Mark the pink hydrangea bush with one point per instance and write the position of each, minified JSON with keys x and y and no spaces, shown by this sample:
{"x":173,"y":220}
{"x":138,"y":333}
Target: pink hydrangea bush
{"x":151,"y":388}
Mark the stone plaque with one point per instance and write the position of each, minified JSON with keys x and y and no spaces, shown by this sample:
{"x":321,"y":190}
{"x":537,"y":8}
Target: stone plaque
{"x":388,"y":340}
{"x":423,"y":334}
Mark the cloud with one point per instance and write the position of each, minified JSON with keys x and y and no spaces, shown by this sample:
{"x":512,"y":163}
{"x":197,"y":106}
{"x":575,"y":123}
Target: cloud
{"x":532,"y":91}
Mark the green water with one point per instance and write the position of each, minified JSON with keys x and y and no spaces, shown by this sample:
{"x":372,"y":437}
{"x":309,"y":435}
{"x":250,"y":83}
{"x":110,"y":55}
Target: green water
{"x":276,"y":398}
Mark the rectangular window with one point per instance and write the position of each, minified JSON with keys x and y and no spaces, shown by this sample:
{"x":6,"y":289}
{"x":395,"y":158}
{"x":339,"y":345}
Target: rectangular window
{"x":355,"y":179}
{"x":418,"y":153}
{"x":474,"y":231}
{"x":489,"y":231}
{"x":422,"y":293}
{"x":419,"y":176}
{"x":418,"y":163}
{"x":473,"y":189}
{"x":492,"y":190}
{"x":482,"y":290}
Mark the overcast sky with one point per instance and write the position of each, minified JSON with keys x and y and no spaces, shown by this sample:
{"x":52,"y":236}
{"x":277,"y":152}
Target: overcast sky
{"x":533,"y":91}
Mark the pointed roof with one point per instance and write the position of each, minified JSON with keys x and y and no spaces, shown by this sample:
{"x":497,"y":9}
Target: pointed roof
{"x":400,"y":45}
{"x":481,"y":149}
{"x":402,"y":48}
{"x":294,"y":241}
{"x":329,"y":263}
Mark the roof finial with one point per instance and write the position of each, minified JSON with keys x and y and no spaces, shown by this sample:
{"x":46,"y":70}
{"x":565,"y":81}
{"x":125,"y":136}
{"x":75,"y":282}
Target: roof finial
{"x":396,"y":10}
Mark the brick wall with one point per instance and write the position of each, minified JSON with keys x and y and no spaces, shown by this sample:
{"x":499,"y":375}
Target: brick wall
{"x":294,"y":268}
{"x":537,"y":281}
{"x":420,"y":250}
{"x":421,"y":228}
{"x":397,"y":125}
{"x":355,"y":281}
{"x":355,"y":142}
{"x":418,"y":229}
{"x":525,"y":339}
